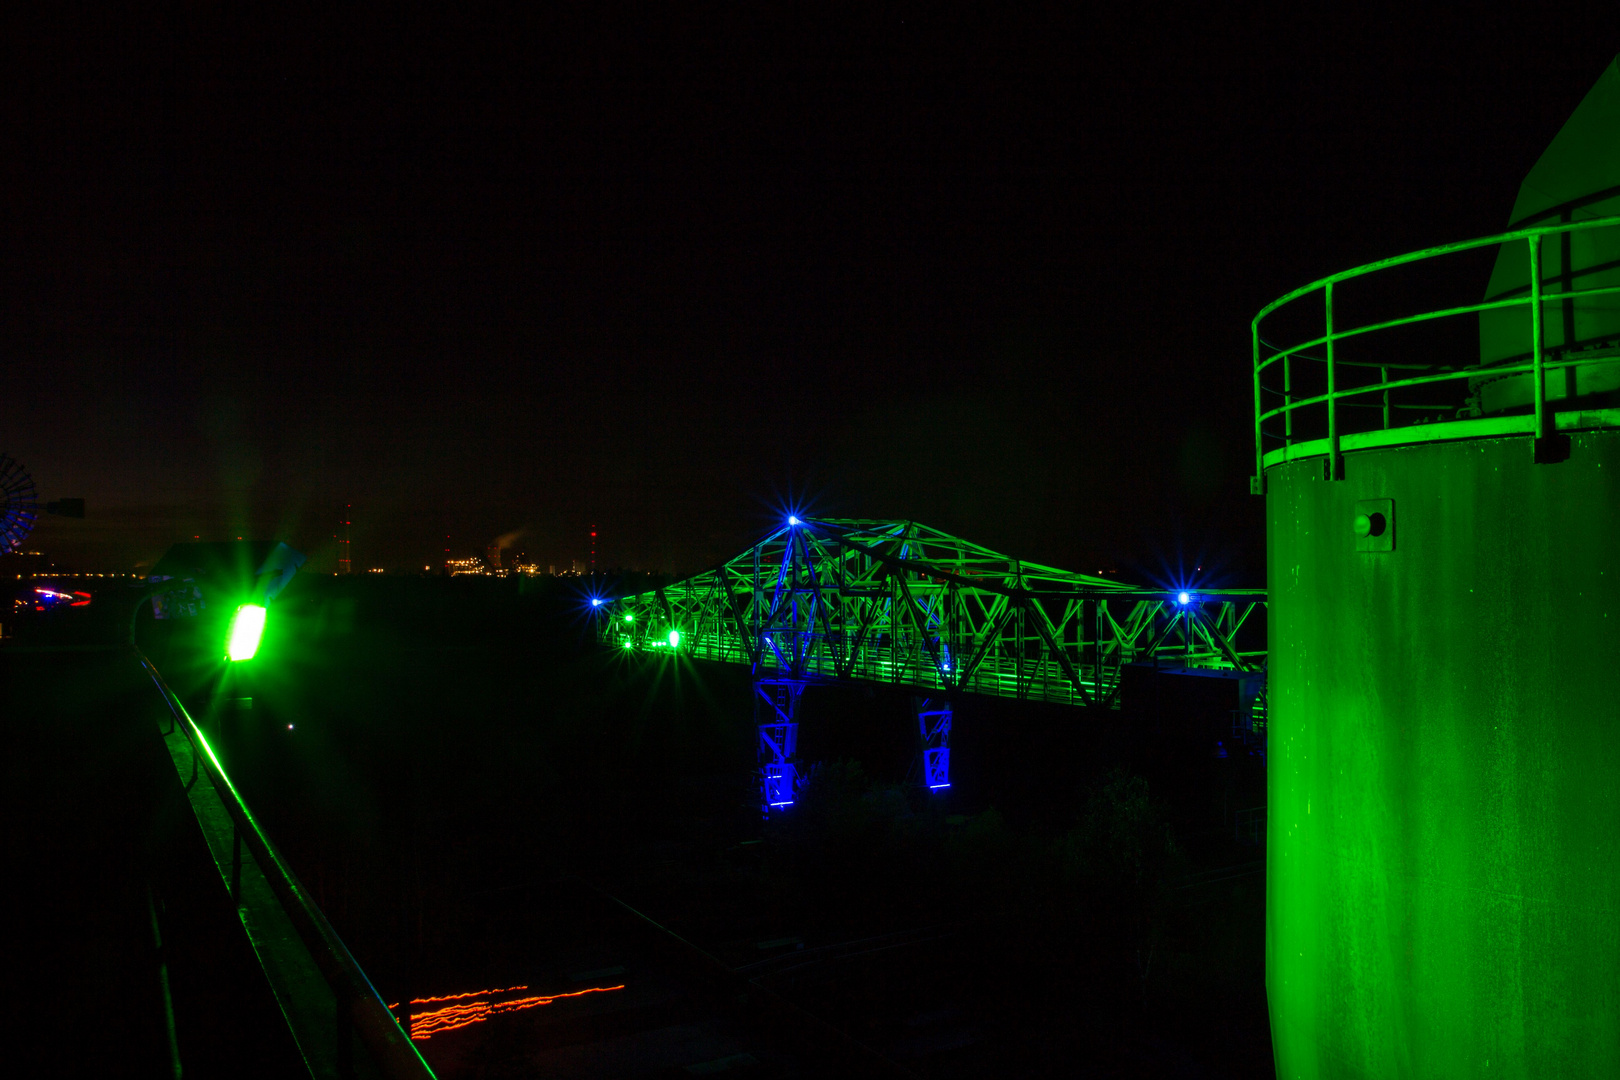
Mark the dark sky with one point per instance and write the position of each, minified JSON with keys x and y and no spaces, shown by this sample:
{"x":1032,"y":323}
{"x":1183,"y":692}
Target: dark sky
{"x":666,"y":272}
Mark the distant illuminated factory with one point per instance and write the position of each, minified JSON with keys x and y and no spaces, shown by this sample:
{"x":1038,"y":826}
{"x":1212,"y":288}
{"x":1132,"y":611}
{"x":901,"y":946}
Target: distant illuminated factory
{"x":477,"y":567}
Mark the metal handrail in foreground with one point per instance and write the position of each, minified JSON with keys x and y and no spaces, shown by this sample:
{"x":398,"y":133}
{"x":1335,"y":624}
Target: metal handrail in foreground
{"x":355,"y":1006}
{"x":1267,"y":355}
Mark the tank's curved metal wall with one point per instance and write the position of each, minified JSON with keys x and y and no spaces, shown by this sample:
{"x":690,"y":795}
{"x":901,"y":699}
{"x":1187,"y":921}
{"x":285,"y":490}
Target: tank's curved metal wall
{"x":1444,"y":829}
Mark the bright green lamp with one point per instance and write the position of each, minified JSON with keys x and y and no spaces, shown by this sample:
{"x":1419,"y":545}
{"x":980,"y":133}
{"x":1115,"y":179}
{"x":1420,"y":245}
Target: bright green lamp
{"x":247,"y":627}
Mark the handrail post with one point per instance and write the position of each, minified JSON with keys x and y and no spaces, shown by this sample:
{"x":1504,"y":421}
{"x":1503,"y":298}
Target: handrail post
{"x":1288,"y":400}
{"x":1335,"y":462}
{"x":1257,"y":482}
{"x":1535,"y":336}
{"x":1549,"y":446}
{"x":236,"y":864}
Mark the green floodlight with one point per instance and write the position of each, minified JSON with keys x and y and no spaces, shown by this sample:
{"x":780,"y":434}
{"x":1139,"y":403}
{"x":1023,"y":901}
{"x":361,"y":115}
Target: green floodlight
{"x":247,"y":627}
{"x":674,"y":639}
{"x":249,"y":574}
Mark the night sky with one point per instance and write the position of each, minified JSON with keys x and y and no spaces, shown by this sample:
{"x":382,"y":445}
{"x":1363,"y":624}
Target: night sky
{"x":671,"y":273}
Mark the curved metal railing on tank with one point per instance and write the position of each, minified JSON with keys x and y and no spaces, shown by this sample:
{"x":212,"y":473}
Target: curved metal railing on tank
{"x":1277,"y":423}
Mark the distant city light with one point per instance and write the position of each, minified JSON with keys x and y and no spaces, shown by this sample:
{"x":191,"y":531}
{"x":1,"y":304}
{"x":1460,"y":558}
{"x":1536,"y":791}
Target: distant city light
{"x":477,"y":567}
{"x":49,"y":598}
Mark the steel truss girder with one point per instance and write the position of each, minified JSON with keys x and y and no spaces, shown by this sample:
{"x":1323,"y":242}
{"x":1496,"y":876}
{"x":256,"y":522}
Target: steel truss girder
{"x":900,"y":603}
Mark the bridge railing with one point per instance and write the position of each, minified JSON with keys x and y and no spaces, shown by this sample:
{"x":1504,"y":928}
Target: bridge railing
{"x":1037,"y":678}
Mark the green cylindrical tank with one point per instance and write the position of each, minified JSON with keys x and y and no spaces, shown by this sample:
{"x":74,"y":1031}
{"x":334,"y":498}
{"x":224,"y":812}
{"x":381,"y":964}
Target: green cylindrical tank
{"x":1443,"y":848}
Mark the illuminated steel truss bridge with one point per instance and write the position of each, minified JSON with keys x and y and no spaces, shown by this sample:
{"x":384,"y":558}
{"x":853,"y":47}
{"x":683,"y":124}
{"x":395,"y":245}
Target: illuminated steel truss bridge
{"x":899,"y":603}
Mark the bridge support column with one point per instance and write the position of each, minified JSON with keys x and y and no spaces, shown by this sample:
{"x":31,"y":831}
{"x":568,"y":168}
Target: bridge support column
{"x":776,"y":714}
{"x":934,"y":725}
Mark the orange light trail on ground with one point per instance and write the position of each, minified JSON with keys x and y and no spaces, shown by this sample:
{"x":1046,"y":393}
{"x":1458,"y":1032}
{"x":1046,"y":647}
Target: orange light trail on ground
{"x":454,"y":1017}
{"x":458,"y":997}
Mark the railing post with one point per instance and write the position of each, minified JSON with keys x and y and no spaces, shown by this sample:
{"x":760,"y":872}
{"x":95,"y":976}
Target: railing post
{"x":236,"y":864}
{"x":1257,"y":482}
{"x":1335,"y":463}
{"x":1288,"y":400}
{"x":1535,"y":337}
{"x":1550,"y":447}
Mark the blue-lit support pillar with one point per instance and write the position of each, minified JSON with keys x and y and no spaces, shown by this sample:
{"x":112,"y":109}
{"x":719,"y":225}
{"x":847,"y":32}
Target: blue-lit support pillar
{"x":776,"y":714}
{"x":934,"y":725}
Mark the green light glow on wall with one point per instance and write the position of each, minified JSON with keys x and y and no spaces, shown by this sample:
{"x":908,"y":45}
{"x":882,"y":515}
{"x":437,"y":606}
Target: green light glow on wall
{"x":1443,"y":765}
{"x":674,"y":639}
{"x":247,"y":627}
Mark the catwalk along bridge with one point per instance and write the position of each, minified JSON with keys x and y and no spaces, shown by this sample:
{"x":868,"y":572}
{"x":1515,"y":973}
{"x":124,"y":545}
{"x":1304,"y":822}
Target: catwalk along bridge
{"x":899,"y":603}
